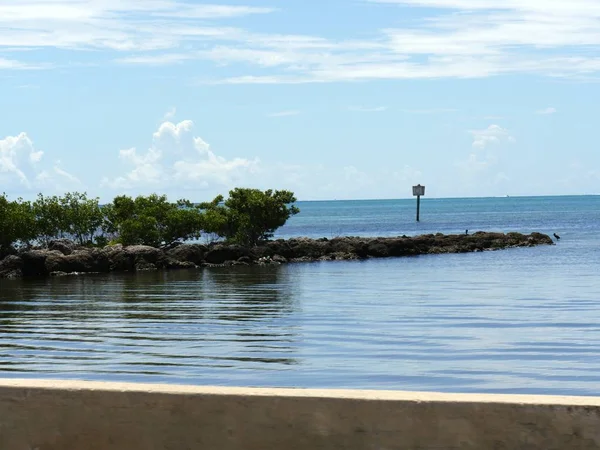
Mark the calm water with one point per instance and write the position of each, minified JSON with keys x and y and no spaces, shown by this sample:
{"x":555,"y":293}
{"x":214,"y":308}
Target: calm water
{"x":515,"y":321}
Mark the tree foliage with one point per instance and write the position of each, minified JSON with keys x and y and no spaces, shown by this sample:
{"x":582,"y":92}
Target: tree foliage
{"x":17,"y":224}
{"x":49,"y":218}
{"x":248,"y":216}
{"x":74,"y":215}
{"x":152,"y":220}
{"x":83,"y":217}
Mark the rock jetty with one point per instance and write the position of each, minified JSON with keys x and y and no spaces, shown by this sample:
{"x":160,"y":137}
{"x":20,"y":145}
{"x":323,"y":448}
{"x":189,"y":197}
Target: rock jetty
{"x":63,"y":257}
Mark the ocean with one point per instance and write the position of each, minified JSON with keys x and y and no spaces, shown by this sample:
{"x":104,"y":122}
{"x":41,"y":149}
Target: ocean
{"x":522,"y":320}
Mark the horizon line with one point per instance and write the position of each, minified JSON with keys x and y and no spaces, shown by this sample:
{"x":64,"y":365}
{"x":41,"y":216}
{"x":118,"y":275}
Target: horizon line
{"x":448,"y":198}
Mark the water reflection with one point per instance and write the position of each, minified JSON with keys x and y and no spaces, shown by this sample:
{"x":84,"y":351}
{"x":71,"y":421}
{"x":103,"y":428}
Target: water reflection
{"x":463,"y":323}
{"x":154,"y":323}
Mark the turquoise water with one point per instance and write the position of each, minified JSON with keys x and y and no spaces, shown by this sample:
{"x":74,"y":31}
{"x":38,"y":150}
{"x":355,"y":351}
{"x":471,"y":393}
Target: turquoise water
{"x":515,"y":321}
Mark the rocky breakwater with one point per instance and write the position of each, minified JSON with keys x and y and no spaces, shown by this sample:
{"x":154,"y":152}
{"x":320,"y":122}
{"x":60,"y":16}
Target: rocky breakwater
{"x":64,"y":257}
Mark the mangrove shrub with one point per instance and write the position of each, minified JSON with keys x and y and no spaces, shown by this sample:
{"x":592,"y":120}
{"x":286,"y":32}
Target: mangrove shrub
{"x":74,"y":216}
{"x":17,"y":224}
{"x":151,"y":220}
{"x":248,"y":216}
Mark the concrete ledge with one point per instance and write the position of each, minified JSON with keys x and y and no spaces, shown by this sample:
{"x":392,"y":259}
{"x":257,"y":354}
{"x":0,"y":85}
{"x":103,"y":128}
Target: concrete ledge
{"x":74,"y":415}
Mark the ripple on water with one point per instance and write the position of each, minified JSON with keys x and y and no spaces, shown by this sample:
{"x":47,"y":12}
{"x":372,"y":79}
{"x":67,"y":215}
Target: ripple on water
{"x":463,"y":323}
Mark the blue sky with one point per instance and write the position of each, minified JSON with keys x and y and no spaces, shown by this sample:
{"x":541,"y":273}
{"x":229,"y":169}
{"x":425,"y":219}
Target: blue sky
{"x":333,"y":99}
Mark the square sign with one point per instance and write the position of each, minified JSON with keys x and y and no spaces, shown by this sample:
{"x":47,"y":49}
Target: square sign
{"x":418,"y":190}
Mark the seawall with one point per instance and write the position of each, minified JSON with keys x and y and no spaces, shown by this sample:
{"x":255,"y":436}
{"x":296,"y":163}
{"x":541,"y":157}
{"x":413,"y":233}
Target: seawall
{"x":74,"y":415}
{"x":64,"y":257}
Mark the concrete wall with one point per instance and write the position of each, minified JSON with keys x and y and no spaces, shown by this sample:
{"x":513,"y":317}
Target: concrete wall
{"x":58,"y":415}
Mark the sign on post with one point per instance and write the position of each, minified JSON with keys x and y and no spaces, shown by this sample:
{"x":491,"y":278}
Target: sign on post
{"x":418,"y":190}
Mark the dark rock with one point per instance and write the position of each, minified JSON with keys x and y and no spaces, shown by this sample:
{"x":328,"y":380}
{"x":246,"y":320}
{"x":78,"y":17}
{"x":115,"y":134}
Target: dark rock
{"x":65,"y":246}
{"x":340,"y":245}
{"x":221,"y":253}
{"x":119,"y":260}
{"x":279,"y":259}
{"x":193,"y":253}
{"x":64,"y":260}
{"x":145,"y":266}
{"x":134,"y":257}
{"x":305,"y":247}
{"x":34,"y":262}
{"x":278,"y":247}
{"x":171,"y":263}
{"x":82,"y":260}
{"x":11,"y":267}
{"x":341,"y":256}
{"x":378,"y":249}
{"x":144,"y":253}
{"x":361,"y":249}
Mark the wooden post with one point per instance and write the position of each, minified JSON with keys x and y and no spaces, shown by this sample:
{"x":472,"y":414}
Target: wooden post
{"x":418,"y":190}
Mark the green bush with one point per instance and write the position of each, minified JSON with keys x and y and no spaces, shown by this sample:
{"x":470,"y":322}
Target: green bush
{"x":83,"y":217}
{"x":49,"y":218}
{"x":72,"y":216}
{"x":17,"y":224}
{"x":248,"y":216}
{"x":151,"y":220}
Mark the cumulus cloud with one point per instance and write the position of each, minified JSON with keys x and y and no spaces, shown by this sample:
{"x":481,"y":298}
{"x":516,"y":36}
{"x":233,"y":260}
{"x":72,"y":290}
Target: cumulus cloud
{"x":22,"y":167}
{"x":484,"y":156}
{"x":179,"y":159}
{"x":494,"y":134}
{"x":18,"y":158}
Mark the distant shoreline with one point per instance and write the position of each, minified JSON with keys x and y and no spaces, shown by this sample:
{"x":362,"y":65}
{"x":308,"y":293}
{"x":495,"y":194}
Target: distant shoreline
{"x":63,"y":257}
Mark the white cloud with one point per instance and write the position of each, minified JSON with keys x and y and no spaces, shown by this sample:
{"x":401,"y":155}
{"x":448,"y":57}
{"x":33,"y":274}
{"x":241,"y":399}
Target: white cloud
{"x":464,"y":39}
{"x":57,"y":179}
{"x":178,"y":159}
{"x":494,"y":134}
{"x":546,"y":111}
{"x":16,"y":65}
{"x":483,"y":156}
{"x":18,"y":158}
{"x":165,"y":59}
{"x":63,"y":173}
{"x":284,"y":113}
{"x":23,"y":169}
{"x":125,"y":25}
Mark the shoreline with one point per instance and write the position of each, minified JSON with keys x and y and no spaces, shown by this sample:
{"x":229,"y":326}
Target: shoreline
{"x":63,"y":257}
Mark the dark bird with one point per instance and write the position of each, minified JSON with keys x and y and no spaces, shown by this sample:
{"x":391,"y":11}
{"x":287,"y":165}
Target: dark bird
{"x":557,"y":236}
{"x":466,"y":232}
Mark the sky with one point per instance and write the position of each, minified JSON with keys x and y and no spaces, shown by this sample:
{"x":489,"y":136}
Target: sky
{"x":332,"y":99}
